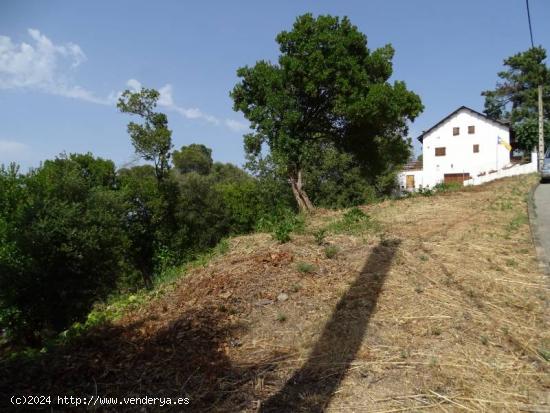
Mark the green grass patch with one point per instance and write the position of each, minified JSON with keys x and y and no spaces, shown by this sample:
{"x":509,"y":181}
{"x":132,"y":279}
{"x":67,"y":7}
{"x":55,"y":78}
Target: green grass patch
{"x":305,"y":268}
{"x":353,"y":222}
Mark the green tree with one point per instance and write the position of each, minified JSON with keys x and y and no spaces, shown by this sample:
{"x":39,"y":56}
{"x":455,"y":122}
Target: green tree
{"x":327,"y":87}
{"x":152,"y":139}
{"x":515,"y":98}
{"x":64,"y":240}
{"x":193,"y":158}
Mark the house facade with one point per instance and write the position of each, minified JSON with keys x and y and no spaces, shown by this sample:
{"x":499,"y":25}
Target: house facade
{"x":463,"y":147}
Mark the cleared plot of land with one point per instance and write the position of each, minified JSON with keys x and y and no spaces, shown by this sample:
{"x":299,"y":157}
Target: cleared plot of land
{"x":435,"y":303}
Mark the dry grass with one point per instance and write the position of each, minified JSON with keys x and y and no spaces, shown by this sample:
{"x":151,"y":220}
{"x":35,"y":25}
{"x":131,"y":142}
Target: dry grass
{"x":439,"y":305}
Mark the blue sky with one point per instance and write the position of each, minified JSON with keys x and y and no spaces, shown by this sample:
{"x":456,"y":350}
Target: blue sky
{"x":63,"y":62}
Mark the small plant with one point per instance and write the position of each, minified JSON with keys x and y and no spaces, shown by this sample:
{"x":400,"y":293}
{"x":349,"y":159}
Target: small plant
{"x":282,"y":232}
{"x":423,"y":258}
{"x":511,"y":262}
{"x":319,"y":236}
{"x":544,"y":353}
{"x":294,"y":288}
{"x":419,"y":289}
{"x":484,"y":340}
{"x":281,"y":318}
{"x":354,"y":221}
{"x":305,"y":268}
{"x":436,"y":331}
{"x":331,"y":251}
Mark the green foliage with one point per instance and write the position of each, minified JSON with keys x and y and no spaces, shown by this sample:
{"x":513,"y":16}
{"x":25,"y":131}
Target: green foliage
{"x":331,"y":251}
{"x":353,"y":222}
{"x":319,"y":236}
{"x":515,"y":99}
{"x":327,"y":87}
{"x":527,"y":133}
{"x":193,"y":158}
{"x":65,"y":243}
{"x":152,"y":140}
{"x":448,"y":187}
{"x":334,"y":180}
{"x":305,"y":267}
{"x":282,"y":231}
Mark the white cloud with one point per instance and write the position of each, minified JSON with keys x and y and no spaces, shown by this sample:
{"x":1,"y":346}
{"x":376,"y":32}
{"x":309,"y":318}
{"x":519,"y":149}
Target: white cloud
{"x":48,"y":67}
{"x":235,"y":125}
{"x":134,"y":85}
{"x":166,"y":100}
{"x":12,"y":148}
{"x":43,"y":66}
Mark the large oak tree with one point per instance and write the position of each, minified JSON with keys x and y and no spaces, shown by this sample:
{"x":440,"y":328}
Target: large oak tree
{"x":326,"y":88}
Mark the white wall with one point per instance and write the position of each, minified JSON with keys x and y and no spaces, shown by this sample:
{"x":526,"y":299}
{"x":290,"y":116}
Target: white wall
{"x":459,"y":157}
{"x":418,"y":179}
{"x":513,"y":171}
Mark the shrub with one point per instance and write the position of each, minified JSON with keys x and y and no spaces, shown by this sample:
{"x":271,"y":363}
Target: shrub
{"x":331,"y":251}
{"x":282,"y":231}
{"x":305,"y":267}
{"x":354,"y":221}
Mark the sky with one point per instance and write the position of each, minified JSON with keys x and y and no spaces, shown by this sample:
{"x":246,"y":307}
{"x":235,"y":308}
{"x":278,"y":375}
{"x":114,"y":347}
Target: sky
{"x":63,"y":63}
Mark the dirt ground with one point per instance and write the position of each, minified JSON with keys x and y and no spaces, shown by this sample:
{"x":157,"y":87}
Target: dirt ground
{"x":437,"y":306}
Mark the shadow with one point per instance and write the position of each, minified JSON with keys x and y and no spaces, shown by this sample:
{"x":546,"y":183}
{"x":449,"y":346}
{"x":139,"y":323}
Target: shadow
{"x":311,"y":388}
{"x":185,"y":358}
{"x":184,"y":353}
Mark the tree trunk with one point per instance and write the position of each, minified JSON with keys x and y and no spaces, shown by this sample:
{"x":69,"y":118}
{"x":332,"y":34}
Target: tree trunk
{"x":299,"y":194}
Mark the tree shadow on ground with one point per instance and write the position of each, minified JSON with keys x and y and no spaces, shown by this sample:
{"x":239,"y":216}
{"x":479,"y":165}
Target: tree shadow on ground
{"x":311,"y":388}
{"x":163,"y":354}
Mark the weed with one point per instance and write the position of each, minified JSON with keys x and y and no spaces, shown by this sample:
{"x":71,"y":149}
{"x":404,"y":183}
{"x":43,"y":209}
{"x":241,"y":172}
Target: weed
{"x":484,"y":340}
{"x":516,"y":222}
{"x":544,"y":353}
{"x":436,"y":331}
{"x":294,"y":288}
{"x":419,"y":289}
{"x":319,"y":236}
{"x":511,"y":262}
{"x":423,"y":258}
{"x":305,"y":267}
{"x":353,"y":222}
{"x":281,"y":318}
{"x":282,"y":231}
{"x":331,"y":251}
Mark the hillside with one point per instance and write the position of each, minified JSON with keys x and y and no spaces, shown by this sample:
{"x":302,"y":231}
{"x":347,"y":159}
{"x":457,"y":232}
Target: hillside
{"x":434,"y":302}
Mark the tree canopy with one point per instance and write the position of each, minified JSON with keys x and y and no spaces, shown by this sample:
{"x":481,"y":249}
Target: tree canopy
{"x":152,"y":139}
{"x":193,"y":158}
{"x":326,"y":87}
{"x":515,"y":98}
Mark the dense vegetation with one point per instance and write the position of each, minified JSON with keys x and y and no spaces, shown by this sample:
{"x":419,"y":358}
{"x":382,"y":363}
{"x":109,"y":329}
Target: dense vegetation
{"x":76,"y":230}
{"x":328,"y":90}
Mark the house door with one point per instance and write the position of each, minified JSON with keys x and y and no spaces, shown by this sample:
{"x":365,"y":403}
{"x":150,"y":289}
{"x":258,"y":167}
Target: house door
{"x":410,"y":182}
{"x":458,"y":178}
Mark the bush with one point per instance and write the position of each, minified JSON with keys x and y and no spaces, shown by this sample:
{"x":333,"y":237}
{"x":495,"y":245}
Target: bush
{"x":331,"y":251}
{"x":354,"y":221}
{"x":305,"y":268}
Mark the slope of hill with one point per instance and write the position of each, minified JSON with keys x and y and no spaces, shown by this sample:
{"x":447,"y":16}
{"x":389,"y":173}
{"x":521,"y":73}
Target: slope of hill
{"x":432,"y":303}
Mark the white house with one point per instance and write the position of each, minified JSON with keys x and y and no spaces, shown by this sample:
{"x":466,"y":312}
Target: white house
{"x":465,"y":147}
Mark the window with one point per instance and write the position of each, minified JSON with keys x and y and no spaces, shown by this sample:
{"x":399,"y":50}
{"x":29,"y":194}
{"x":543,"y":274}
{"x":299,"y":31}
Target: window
{"x":471,"y":130}
{"x":476,"y":148}
{"x":439,"y":151}
{"x":456,"y":131}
